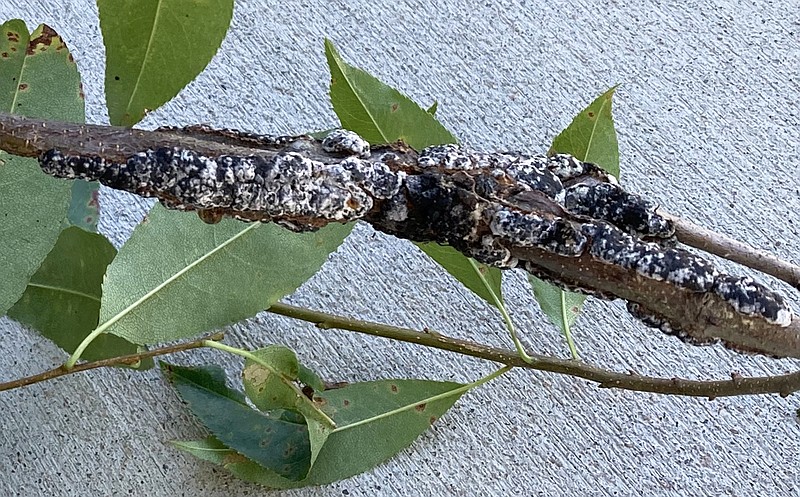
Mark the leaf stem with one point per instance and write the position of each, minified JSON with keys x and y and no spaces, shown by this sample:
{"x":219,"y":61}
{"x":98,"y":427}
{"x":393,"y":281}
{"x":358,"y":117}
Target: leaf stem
{"x":501,"y":306}
{"x":567,"y":333}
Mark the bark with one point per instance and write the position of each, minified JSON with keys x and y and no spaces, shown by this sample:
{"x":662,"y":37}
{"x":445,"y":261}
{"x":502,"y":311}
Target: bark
{"x":556,"y":217}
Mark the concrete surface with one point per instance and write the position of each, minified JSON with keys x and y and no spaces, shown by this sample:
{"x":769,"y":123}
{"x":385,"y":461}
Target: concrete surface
{"x":709,"y":126}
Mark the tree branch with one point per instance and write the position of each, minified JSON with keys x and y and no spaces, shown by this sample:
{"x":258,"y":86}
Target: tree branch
{"x":783,"y":385}
{"x":556,"y":217}
{"x":734,"y":250}
{"x":125,"y":360}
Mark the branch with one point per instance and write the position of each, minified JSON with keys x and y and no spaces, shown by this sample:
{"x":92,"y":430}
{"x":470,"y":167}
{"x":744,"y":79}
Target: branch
{"x":556,"y":217}
{"x":737,"y":385}
{"x":734,"y":250}
{"x":126,"y":360}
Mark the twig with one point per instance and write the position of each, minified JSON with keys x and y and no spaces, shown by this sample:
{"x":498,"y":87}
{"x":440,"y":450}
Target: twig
{"x":723,"y":246}
{"x":125,"y":360}
{"x":783,"y":385}
{"x":736,"y":386}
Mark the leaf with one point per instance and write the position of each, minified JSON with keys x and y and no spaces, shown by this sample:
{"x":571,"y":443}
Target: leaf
{"x":377,"y":112}
{"x":375,"y":420}
{"x":275,"y":444}
{"x":433,"y":108}
{"x":310,"y":378}
{"x":483,"y":280}
{"x":561,"y":307}
{"x":156,"y":47}
{"x":591,"y":138}
{"x":38,"y":78}
{"x":62,"y":301}
{"x":270,"y":384}
{"x":177,"y":276}
{"x":381,"y":114}
{"x":84,"y":210}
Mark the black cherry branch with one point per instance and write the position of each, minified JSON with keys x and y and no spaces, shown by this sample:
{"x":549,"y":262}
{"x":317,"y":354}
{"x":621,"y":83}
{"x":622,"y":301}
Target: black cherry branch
{"x":126,"y":360}
{"x":737,"y":385}
{"x":556,"y":217}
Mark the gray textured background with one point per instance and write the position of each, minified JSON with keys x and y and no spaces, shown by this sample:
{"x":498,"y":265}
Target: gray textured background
{"x":708,"y":118}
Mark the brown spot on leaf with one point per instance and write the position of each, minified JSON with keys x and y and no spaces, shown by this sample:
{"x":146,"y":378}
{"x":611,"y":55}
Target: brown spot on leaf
{"x":4,"y":55}
{"x":12,"y":36}
{"x":420,"y":407}
{"x":346,"y":402}
{"x":432,"y":420}
{"x":395,"y":107}
{"x":80,"y":91}
{"x":394,"y":388}
{"x":23,"y":86}
{"x":43,"y":41}
{"x":233,"y":458}
{"x":320,"y":401}
{"x":590,"y":114}
{"x":71,"y":59}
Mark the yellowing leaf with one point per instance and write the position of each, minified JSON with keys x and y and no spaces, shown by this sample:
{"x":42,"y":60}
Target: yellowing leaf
{"x":38,"y":78}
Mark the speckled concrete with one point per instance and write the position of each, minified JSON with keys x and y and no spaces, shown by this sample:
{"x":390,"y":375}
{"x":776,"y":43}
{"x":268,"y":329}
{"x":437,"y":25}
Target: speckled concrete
{"x":709,"y":126}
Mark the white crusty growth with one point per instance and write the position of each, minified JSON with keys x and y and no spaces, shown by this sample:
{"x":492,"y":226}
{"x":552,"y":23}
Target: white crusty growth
{"x":586,"y":214}
{"x":342,"y":141}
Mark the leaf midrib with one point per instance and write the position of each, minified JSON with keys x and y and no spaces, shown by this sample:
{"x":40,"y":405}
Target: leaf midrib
{"x":69,"y":291}
{"x":357,"y":95}
{"x":21,"y":72}
{"x":594,"y":129}
{"x":144,"y":59}
{"x":114,"y":319}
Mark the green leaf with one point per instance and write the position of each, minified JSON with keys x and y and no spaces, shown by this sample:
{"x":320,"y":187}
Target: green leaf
{"x":156,"y":47}
{"x":62,"y":301}
{"x":375,"y":420}
{"x":590,"y":137}
{"x":212,"y":450}
{"x":381,"y":114}
{"x":38,"y":78}
{"x":433,"y":108}
{"x":84,"y":210}
{"x":278,"y":445}
{"x":483,"y":280}
{"x":177,"y":276}
{"x":270,"y":384}
{"x":310,"y":378}
{"x":561,"y":307}
{"x":377,"y":112}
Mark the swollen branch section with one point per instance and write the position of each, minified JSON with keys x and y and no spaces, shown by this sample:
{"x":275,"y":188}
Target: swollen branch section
{"x":556,"y":217}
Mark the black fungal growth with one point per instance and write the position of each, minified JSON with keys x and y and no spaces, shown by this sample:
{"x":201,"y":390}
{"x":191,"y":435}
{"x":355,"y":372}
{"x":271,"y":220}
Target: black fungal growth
{"x":488,"y":206}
